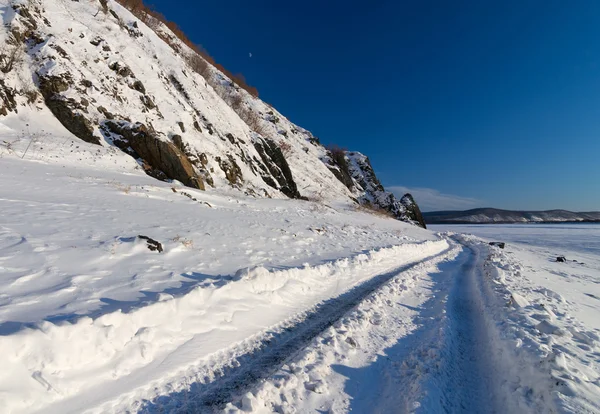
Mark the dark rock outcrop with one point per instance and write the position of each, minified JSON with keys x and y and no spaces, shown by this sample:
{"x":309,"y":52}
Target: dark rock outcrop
{"x":498,"y":244}
{"x":278,"y":167}
{"x":338,"y":165}
{"x":413,"y":212}
{"x":152,"y":244}
{"x":158,"y":154}
{"x":67,"y":111}
{"x":373,"y":193}
{"x":232,"y":170}
{"x":8,"y":102}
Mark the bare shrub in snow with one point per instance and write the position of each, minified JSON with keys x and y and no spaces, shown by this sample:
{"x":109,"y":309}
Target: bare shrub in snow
{"x":286,"y":148}
{"x":199,"y":65}
{"x":10,"y":55}
{"x":376,"y":210}
{"x":252,"y":119}
{"x":153,"y":19}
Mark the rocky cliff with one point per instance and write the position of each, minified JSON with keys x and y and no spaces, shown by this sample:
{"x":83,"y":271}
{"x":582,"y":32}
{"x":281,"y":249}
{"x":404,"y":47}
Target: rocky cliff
{"x":112,"y":79}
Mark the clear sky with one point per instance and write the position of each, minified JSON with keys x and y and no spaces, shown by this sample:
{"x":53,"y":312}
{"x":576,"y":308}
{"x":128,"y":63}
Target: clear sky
{"x":465,"y":103}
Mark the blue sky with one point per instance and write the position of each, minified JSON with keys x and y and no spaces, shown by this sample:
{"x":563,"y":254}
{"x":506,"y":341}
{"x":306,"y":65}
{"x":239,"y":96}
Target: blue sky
{"x":465,"y":103}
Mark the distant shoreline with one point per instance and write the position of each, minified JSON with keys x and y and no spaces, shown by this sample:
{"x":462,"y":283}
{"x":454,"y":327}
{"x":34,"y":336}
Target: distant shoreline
{"x":516,"y":222}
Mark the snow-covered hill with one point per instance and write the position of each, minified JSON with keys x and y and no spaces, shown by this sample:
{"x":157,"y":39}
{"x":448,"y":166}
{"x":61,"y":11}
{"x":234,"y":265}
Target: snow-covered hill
{"x":492,"y":215}
{"x":112,"y":80}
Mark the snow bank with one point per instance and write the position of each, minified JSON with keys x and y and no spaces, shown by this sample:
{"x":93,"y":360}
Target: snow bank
{"x":92,"y":358}
{"x":551,"y":354}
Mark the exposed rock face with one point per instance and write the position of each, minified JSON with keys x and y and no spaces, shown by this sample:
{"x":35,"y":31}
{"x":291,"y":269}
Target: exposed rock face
{"x":189,"y":128}
{"x":413,"y":212}
{"x":370,"y":191}
{"x":7,"y":98}
{"x":67,"y":111}
{"x":158,"y":154}
{"x":338,"y":165}
{"x":278,"y":167}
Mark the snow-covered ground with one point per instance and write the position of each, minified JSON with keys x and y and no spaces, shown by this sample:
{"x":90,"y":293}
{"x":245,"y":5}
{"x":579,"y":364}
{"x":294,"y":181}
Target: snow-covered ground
{"x":88,"y":313}
{"x":275,"y":305}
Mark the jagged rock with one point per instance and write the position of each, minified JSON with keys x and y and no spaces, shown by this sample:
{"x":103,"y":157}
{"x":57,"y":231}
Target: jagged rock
{"x":232,"y":171}
{"x":148,"y":102}
{"x":375,"y":195}
{"x":67,"y":110}
{"x":152,"y":244}
{"x":273,"y":158}
{"x":413,"y":212}
{"x":7,"y":95}
{"x":561,"y":259}
{"x":159,"y":154}
{"x":138,"y":86}
{"x":181,"y":126}
{"x":121,"y":69}
{"x":498,"y":244}
{"x":338,"y":165}
{"x":104,"y":112}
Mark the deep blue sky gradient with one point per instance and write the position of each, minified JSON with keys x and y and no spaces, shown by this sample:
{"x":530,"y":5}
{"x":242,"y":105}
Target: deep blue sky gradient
{"x":497,"y":101}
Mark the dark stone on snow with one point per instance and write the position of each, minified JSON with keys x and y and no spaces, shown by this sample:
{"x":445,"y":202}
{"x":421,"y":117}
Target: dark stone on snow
{"x":138,"y":86}
{"x":121,"y":69}
{"x":153,"y":245}
{"x":498,"y":244}
{"x":561,"y":259}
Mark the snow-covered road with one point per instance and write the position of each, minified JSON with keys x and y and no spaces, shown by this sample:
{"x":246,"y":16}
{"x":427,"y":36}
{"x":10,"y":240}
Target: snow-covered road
{"x":445,"y":336}
{"x":444,"y":358}
{"x":275,"y":306}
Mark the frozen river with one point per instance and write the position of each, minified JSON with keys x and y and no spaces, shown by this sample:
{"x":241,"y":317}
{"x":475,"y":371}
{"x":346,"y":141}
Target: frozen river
{"x":582,"y":238}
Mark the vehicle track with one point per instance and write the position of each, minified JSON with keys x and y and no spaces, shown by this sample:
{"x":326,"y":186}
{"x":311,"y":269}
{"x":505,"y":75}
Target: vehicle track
{"x":270,"y":355}
{"x":469,"y":379}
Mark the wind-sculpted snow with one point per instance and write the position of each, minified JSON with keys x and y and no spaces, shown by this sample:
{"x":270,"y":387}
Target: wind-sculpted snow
{"x":86,"y":307}
{"x":468,"y":332}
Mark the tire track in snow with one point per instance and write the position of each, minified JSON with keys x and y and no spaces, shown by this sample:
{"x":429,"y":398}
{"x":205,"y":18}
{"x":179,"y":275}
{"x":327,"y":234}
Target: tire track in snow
{"x":469,"y":379}
{"x":254,"y":366}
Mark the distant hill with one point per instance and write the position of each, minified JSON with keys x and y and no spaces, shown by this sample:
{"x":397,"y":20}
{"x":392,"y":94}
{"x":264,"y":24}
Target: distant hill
{"x":494,"y":215}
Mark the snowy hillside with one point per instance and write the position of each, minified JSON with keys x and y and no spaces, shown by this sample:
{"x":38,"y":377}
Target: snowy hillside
{"x":111,"y":80}
{"x":169,"y":243}
{"x":492,"y":215}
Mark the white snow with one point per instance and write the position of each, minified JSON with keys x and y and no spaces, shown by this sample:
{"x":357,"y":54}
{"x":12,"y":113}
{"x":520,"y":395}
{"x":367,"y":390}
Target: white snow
{"x":257,"y":303}
{"x":465,"y":332}
{"x":119,"y":317}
